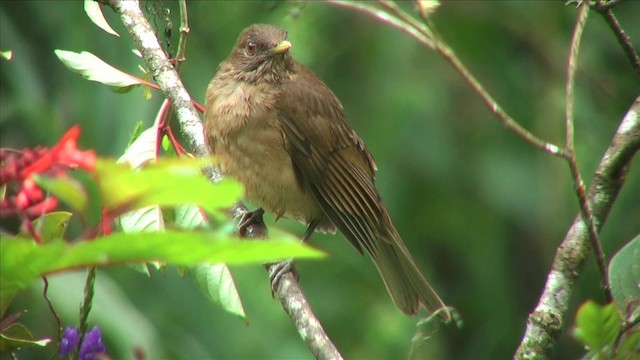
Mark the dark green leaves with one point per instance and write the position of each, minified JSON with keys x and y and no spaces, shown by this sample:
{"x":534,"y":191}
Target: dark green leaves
{"x":624,"y":277}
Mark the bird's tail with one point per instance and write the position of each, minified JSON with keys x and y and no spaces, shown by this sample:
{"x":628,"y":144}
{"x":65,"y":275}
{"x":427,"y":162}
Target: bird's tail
{"x":404,"y":281}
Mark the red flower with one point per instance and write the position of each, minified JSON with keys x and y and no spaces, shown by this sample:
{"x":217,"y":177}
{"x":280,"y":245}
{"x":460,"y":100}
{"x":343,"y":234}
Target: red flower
{"x":24,"y":198}
{"x":65,"y":153}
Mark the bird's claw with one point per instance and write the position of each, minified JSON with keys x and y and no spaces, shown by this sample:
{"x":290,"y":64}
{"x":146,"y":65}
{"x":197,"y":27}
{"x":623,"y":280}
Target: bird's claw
{"x":277,"y":270}
{"x":249,"y":218}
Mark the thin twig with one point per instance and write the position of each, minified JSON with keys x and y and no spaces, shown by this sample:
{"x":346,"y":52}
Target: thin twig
{"x":605,"y":10}
{"x":408,"y":19}
{"x":411,"y":26}
{"x":572,"y":66}
{"x":384,"y":17}
{"x":601,"y":5}
{"x":45,"y":294}
{"x":184,"y":31}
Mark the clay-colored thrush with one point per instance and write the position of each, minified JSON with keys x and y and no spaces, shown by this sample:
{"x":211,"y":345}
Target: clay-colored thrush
{"x":281,"y":132}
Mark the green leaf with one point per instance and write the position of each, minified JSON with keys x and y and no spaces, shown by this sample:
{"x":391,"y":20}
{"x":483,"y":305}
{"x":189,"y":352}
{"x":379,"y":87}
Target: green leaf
{"x":216,"y":281}
{"x":22,"y":260}
{"x":66,"y":189}
{"x":629,"y":345}
{"x":169,"y":182}
{"x":93,"y":68}
{"x":94,"y":11}
{"x":190,"y":217}
{"x":52,"y":225}
{"x":17,"y":336}
{"x":146,"y":219}
{"x":142,"y":150}
{"x":597,"y":326}
{"x":7,"y":55}
{"x":624,"y":278}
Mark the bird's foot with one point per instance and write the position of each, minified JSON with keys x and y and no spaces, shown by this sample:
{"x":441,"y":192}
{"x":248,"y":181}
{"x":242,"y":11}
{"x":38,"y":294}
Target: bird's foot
{"x":277,"y":271}
{"x":250,"y":218}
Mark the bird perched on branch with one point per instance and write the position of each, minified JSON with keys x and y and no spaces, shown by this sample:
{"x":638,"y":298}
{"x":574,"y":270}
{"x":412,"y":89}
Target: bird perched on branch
{"x":281,"y":132}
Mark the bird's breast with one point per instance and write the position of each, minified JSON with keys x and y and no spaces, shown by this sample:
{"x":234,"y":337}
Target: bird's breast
{"x":252,"y":147}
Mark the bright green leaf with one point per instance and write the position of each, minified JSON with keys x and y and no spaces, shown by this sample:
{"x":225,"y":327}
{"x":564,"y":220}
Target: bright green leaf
{"x":52,"y":225}
{"x":597,"y":326}
{"x":624,"y":277}
{"x":93,"y":68}
{"x":94,"y":11}
{"x":216,"y":281}
{"x":166,"y":183}
{"x":140,"y":152}
{"x":17,"y":336}
{"x":66,"y":189}
{"x":7,"y":55}
{"x":5,"y":301}
{"x":22,"y":260}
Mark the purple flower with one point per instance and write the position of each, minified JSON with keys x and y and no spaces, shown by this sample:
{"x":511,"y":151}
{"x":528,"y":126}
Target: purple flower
{"x":92,"y":345}
{"x":69,"y":341}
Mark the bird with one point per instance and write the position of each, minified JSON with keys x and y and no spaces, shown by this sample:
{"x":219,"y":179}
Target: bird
{"x":276,"y":128}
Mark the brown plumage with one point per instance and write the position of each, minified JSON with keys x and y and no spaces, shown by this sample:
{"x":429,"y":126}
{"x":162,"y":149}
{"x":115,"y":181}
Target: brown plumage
{"x":281,"y":132}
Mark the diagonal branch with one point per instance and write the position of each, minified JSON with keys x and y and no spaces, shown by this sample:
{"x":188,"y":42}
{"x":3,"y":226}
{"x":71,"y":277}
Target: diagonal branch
{"x":414,"y":28}
{"x":546,"y":321}
{"x":604,"y":8}
{"x":289,"y":291}
{"x":572,"y":66}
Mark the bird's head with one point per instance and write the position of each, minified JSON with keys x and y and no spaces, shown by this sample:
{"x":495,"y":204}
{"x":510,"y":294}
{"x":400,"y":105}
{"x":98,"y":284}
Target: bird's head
{"x":261,"y":53}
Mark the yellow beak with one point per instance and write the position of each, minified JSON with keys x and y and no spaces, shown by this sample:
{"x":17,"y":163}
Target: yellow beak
{"x":282,"y":47}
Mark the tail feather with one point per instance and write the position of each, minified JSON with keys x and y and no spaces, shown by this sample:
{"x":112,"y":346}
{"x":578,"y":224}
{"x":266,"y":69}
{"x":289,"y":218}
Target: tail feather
{"x":404,"y":281}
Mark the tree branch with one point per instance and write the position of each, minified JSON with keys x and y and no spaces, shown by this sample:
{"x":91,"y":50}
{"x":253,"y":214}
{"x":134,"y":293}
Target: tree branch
{"x":288,"y":292}
{"x":293,"y":301}
{"x":604,"y":8}
{"x":546,"y":321}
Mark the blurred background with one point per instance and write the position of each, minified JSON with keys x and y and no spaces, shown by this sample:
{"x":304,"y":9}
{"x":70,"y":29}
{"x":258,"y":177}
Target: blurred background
{"x":481,"y":211}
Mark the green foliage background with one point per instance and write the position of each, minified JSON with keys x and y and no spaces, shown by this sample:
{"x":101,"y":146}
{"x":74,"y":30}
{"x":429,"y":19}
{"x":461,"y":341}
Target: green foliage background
{"x":481,"y":211}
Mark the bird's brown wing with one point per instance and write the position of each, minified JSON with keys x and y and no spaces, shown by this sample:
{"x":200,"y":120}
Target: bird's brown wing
{"x":331,"y":161}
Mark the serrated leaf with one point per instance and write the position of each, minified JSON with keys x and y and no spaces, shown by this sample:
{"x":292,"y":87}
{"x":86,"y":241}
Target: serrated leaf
{"x":216,"y":281}
{"x":94,"y":11}
{"x":22,"y":260}
{"x":624,"y":277}
{"x":52,"y":225}
{"x":17,"y":336}
{"x":597,"y":326}
{"x":93,"y":68}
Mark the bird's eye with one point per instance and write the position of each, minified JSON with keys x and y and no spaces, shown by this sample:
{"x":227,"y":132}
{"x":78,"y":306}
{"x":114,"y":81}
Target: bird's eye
{"x":251,"y":47}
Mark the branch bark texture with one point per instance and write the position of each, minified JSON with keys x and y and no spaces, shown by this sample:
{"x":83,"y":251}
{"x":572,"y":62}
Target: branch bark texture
{"x":545,"y":322}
